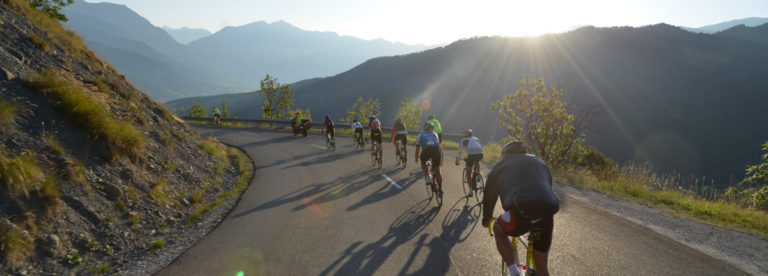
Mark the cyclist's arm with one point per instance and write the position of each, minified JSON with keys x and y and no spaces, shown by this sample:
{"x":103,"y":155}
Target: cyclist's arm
{"x":490,"y":195}
{"x":392,"y":136}
{"x":461,"y":148}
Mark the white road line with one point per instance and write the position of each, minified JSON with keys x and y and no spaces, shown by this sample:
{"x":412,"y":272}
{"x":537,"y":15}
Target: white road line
{"x":319,"y":147}
{"x":254,"y":134}
{"x":392,"y":181}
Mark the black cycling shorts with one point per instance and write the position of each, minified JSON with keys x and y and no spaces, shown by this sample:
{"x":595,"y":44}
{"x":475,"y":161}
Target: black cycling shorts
{"x":472,"y":159}
{"x":359,"y":131}
{"x":523,"y":221}
{"x":432,"y":153}
{"x":376,"y":135}
{"x":402,"y":137}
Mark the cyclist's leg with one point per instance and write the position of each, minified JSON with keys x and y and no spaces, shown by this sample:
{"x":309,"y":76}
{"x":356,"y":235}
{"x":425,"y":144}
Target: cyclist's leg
{"x":404,"y":143}
{"x":504,"y":245}
{"x":437,"y":158}
{"x":540,"y":259}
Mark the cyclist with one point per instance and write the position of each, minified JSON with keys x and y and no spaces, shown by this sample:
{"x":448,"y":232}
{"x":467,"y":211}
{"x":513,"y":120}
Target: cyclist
{"x":296,"y":120}
{"x":358,"y":127}
{"x":438,"y":128}
{"x":328,"y":128}
{"x":375,"y":127}
{"x":431,"y":144}
{"x":216,"y":115}
{"x":474,"y":155}
{"x":400,"y":133}
{"x":524,"y":184}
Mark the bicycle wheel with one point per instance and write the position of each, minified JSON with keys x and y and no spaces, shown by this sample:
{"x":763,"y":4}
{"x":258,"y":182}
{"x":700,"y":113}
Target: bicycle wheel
{"x":379,"y":157}
{"x":439,"y":193}
{"x":373,"y":156}
{"x":479,"y":187}
{"x":327,"y":143}
{"x":464,"y":181}
{"x":429,"y":187}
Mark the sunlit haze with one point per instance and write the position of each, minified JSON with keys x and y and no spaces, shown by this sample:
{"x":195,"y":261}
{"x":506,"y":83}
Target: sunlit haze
{"x":442,"y":21}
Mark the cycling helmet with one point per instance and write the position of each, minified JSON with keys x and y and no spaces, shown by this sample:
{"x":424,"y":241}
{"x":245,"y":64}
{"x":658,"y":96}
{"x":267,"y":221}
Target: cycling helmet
{"x":354,"y":121}
{"x":514,"y":147}
{"x":431,"y":117}
{"x":372,"y":118}
{"x":298,"y":112}
{"x":327,"y":117}
{"x":428,"y":126}
{"x":397,"y":120}
{"x":467,"y":133}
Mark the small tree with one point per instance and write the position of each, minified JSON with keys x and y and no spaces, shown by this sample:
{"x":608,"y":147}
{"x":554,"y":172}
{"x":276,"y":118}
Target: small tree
{"x":362,"y":109}
{"x":278,"y":99}
{"x":224,"y":110}
{"x":535,"y":115}
{"x":410,"y":112}
{"x":51,"y":7}
{"x":197,"y":110}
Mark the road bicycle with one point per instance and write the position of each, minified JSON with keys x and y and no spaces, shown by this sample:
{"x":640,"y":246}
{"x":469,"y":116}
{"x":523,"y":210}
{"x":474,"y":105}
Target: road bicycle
{"x":432,"y":188}
{"x":529,"y":267}
{"x":478,"y":185}
{"x":358,"y":142}
{"x":330,"y":143}
{"x":376,"y":155}
{"x":402,"y":160}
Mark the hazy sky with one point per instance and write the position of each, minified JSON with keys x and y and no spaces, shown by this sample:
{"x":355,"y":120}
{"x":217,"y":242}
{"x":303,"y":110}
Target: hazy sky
{"x":442,"y":21}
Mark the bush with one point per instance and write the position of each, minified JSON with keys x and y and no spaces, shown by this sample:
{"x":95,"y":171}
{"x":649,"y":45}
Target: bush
{"x":600,"y":166}
{"x":122,"y":137}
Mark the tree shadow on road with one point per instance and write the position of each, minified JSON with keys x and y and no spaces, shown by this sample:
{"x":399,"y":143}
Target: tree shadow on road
{"x":366,"y":260}
{"x":331,"y":157}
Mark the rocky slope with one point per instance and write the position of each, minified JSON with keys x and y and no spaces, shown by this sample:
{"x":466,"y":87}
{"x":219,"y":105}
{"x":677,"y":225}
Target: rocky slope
{"x":95,"y":177}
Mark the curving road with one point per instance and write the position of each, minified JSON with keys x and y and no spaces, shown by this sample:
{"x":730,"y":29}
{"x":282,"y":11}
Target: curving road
{"x":314,"y":212}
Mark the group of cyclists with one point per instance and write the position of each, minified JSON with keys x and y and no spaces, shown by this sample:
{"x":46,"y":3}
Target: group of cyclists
{"x":522,"y":181}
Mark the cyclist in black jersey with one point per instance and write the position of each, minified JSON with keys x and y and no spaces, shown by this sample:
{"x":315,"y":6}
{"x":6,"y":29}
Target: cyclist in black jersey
{"x":524,"y":184}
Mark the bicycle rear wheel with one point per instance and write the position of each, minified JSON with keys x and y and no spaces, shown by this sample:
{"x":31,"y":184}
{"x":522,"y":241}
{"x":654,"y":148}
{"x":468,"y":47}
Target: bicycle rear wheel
{"x":379,"y":157}
{"x":464,"y":183}
{"x":429,"y":187}
{"x":479,"y":187}
{"x":439,"y":195}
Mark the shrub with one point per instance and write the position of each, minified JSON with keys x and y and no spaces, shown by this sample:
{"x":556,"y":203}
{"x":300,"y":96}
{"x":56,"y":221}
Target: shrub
{"x":86,"y":111}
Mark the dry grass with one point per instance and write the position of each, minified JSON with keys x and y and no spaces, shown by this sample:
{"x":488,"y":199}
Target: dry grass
{"x":640,"y":184}
{"x":15,"y":245}
{"x":158,"y":192}
{"x":39,"y":43}
{"x":20,"y":175}
{"x":8,"y":113}
{"x":85,"y":110}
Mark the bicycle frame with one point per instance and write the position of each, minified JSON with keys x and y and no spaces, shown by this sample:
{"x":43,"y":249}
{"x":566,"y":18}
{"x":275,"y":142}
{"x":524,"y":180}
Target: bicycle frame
{"x":529,"y":266}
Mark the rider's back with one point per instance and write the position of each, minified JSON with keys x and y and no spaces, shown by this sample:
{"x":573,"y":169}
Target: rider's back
{"x":524,"y":181}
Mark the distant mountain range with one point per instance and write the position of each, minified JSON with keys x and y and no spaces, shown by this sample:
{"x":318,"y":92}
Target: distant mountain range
{"x":709,"y":29}
{"x":684,"y":101}
{"x":234,"y":59}
{"x":186,"y":35}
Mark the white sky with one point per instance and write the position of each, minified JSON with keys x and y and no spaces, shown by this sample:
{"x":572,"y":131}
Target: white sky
{"x":442,"y":21}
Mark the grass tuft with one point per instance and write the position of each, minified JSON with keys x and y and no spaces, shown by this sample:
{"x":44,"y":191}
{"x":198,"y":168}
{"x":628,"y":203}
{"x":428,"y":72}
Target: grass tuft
{"x":20,"y":174}
{"x":15,"y":245}
{"x":51,"y":194}
{"x":39,"y":43}
{"x":158,"y":192}
{"x":83,"y":109}
{"x":8,"y":113}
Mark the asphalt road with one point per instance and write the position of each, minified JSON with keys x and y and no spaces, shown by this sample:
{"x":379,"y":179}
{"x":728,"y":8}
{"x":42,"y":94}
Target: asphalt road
{"x":314,"y":212}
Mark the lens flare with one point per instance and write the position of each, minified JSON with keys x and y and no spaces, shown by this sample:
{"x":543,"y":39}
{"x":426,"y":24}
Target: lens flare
{"x":426,"y":105}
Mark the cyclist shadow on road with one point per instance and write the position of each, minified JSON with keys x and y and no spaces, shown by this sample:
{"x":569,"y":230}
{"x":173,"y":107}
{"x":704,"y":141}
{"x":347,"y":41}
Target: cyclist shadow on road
{"x":308,"y":195}
{"x":386,"y":190}
{"x":461,"y":220}
{"x":332,"y":157}
{"x":366,"y":260}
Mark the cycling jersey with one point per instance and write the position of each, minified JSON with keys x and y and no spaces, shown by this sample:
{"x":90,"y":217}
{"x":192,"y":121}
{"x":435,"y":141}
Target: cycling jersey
{"x":438,"y":128}
{"x":374,"y":125}
{"x":216,"y":111}
{"x":428,"y":140}
{"x":472,"y":144}
{"x":357,"y":125}
{"x":522,"y":181}
{"x":328,"y":126}
{"x":399,"y":128}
